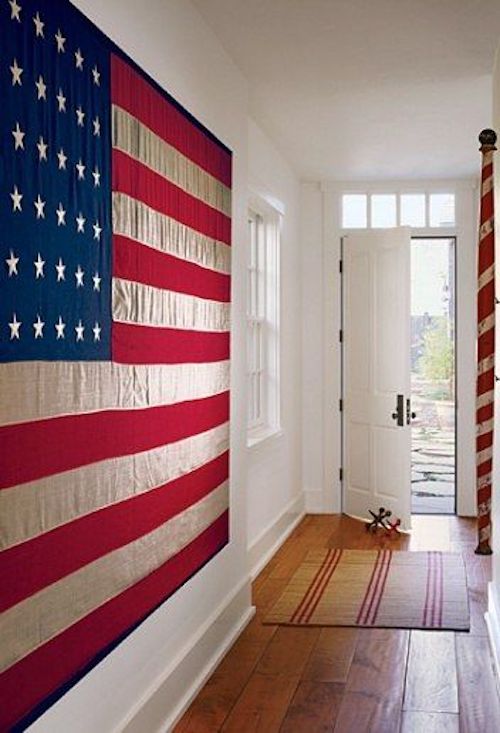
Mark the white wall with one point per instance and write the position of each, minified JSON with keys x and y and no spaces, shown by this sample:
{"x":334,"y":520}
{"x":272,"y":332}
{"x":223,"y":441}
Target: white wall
{"x":170,"y":41}
{"x":274,"y":485}
{"x":321,"y":233}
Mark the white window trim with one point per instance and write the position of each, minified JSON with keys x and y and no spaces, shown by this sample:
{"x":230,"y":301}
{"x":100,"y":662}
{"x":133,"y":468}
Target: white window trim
{"x":270,"y":425}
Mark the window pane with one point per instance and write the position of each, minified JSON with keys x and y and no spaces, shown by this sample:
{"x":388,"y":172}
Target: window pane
{"x":354,"y":211}
{"x":413,"y":209}
{"x":442,"y":209}
{"x":383,"y":210}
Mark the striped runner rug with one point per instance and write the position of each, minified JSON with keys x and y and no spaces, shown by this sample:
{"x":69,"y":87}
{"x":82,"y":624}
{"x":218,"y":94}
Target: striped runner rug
{"x":406,"y":590}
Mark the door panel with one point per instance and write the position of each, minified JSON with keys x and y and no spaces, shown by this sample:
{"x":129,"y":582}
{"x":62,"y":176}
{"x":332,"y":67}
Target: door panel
{"x":377,"y":452}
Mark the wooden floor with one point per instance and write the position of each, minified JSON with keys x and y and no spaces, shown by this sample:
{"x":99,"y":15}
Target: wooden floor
{"x":351,"y":680}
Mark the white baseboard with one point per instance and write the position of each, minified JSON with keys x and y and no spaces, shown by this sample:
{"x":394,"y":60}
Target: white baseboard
{"x":492,"y":617}
{"x":172,"y":693}
{"x":272,"y":537}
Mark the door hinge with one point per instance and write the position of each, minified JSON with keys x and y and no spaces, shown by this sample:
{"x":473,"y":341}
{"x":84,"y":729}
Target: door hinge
{"x":341,"y":404}
{"x":341,"y":474}
{"x":341,"y":267}
{"x":341,"y":335}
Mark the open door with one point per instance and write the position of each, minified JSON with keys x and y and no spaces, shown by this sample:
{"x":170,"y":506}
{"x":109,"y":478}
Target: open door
{"x":376,"y":373}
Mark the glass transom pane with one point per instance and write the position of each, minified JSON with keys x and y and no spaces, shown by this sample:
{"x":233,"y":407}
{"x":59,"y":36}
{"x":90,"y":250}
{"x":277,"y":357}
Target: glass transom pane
{"x":354,"y":211}
{"x":413,"y":209}
{"x":383,"y":210}
{"x":442,"y":209}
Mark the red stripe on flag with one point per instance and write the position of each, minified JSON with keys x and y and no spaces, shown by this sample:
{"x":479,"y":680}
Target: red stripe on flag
{"x":33,"y":450}
{"x":486,"y":300}
{"x":134,"y":344}
{"x":64,"y":550}
{"x":67,"y":656}
{"x":136,"y":180}
{"x":486,"y":344}
{"x":484,"y":441}
{"x":484,"y":413}
{"x":134,"y":94}
{"x":139,"y":263}
{"x":486,"y":381}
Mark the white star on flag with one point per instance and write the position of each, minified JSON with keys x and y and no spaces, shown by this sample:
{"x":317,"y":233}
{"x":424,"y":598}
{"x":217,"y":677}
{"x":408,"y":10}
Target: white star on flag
{"x":62,"y":159}
{"x":80,"y":114}
{"x":81,"y":170}
{"x":97,"y":230}
{"x":38,"y":326}
{"x":15,"y":10}
{"x":39,"y":265}
{"x":61,"y":216}
{"x":18,"y":137}
{"x":80,"y":223}
{"x":16,"y":199}
{"x":16,"y":73}
{"x":40,"y":206}
{"x":60,"y":268}
{"x":42,"y":88}
{"x":97,"y":76}
{"x":79,"y":331}
{"x":97,"y":126}
{"x":12,"y":262}
{"x":60,"y":326}
{"x":38,"y":25}
{"x":14,"y":326}
{"x":97,"y":332}
{"x":79,"y":277}
{"x":79,"y":59}
{"x":97,"y":177}
{"x":61,"y":101}
{"x":60,"y":40}
{"x":42,"y":148}
{"x":97,"y":282}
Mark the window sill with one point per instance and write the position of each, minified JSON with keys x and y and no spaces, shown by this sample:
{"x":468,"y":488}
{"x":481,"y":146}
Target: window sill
{"x":258,"y":436}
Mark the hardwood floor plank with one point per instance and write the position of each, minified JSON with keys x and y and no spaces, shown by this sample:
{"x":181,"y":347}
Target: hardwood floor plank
{"x":314,"y":708}
{"x":374,"y":691}
{"x":288,"y":651}
{"x":332,"y":655}
{"x":478,"y":692}
{"x":418,"y":722}
{"x":431,"y":680}
{"x":263,"y":704}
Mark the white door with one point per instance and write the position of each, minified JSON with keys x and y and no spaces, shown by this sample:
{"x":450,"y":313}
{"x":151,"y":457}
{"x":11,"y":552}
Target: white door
{"x":376,"y":375}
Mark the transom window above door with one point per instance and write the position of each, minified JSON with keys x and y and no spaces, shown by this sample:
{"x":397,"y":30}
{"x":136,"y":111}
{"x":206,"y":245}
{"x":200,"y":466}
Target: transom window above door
{"x":385,"y":210}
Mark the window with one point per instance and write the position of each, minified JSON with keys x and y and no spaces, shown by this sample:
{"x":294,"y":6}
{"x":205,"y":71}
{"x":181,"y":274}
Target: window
{"x":383,"y":211}
{"x":354,"y":211}
{"x":263,"y":321}
{"x":420,"y":210}
{"x":412,"y":210}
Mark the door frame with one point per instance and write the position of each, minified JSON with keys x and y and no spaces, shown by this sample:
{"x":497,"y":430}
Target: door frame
{"x":453,"y":237}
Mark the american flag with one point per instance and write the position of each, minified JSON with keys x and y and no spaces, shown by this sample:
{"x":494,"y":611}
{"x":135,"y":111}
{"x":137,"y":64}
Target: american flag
{"x":115,"y":236}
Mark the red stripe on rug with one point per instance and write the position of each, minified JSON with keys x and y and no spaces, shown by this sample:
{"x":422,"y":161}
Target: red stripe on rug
{"x":383,"y":582}
{"x":370,"y":587}
{"x":377,"y":586}
{"x":312,"y":586}
{"x":319,"y":594}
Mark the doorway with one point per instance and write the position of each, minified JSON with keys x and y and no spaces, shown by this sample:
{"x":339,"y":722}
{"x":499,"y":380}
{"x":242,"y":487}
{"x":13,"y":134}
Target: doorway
{"x":433,"y":375}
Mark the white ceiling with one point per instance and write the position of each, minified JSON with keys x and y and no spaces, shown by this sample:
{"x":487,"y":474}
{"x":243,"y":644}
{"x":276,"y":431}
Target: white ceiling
{"x":366,"y":89}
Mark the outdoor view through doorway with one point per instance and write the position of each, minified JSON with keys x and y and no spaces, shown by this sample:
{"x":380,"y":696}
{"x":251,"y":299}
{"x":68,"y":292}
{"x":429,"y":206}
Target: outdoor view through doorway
{"x":433,"y":481}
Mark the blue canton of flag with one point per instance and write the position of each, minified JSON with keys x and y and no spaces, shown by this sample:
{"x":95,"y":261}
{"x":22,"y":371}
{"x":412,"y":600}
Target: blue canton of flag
{"x":55,"y":212}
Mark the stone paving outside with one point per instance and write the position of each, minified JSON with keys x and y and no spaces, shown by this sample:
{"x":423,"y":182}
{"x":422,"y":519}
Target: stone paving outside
{"x":433,"y":456}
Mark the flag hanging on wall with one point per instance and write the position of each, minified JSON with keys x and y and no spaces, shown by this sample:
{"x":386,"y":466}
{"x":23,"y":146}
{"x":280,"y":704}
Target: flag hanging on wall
{"x":485,"y":394}
{"x":115,"y":236}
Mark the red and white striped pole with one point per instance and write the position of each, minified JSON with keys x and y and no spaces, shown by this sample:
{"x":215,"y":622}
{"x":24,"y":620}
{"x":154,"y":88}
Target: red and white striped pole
{"x":485,"y":344}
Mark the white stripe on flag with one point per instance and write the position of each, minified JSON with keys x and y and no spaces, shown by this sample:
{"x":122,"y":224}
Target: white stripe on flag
{"x":146,"y":305}
{"x":135,"y":139}
{"x":76,"y":493}
{"x":484,"y":427}
{"x":485,"y":399}
{"x":486,"y":277}
{"x":486,"y":324}
{"x":486,"y":364}
{"x":102,"y":386}
{"x":137,"y":221}
{"x":487,"y":186}
{"x":484,"y":455}
{"x":61,"y":604}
